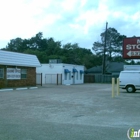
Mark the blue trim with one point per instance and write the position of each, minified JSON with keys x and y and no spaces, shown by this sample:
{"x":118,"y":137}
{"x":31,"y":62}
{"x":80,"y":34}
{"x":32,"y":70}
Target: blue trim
{"x":81,"y":71}
{"x":75,"y":70}
{"x":66,"y":71}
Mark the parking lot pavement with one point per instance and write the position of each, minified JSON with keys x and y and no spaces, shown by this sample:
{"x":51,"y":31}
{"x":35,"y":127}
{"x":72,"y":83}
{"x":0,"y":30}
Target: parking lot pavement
{"x":74,"y":112}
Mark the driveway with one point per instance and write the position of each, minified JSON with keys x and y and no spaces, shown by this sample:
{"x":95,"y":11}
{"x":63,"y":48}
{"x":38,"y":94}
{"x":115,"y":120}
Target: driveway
{"x":72,"y":112}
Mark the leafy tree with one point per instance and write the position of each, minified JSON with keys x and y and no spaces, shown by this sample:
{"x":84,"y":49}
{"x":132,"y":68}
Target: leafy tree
{"x":118,"y":59}
{"x":77,"y":55}
{"x":53,"y":47}
{"x":48,"y":48}
{"x":16,"y":45}
{"x":114,"y":42}
{"x":43,"y":58}
{"x":36,"y":42}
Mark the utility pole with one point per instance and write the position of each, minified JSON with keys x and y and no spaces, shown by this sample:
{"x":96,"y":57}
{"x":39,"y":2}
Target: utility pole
{"x":104,"y":56}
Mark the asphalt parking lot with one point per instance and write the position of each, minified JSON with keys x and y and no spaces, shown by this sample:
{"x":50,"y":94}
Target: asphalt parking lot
{"x":74,"y":112}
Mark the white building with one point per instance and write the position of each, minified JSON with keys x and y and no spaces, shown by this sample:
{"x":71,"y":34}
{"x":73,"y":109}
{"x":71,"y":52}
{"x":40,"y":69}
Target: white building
{"x":131,"y":67}
{"x":60,"y":73}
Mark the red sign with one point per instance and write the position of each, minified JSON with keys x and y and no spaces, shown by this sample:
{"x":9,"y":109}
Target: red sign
{"x":131,"y":48}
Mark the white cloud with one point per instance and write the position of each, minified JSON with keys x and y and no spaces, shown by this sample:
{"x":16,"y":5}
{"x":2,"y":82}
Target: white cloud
{"x":83,"y":2}
{"x":69,"y":5}
{"x":21,"y":19}
{"x":79,"y":21}
{"x":136,"y":18}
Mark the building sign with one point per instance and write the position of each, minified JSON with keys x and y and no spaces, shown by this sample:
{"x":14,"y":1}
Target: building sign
{"x":13,"y":73}
{"x":131,"y":48}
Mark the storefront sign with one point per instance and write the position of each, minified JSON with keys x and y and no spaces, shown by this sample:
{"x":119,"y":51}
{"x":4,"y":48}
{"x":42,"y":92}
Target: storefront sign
{"x":13,"y":73}
{"x":131,"y":48}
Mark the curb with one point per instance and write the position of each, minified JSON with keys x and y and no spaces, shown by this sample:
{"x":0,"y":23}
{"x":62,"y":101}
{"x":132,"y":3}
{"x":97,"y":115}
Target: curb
{"x":21,"y":88}
{"x":6,"y":89}
{"x":18,"y":88}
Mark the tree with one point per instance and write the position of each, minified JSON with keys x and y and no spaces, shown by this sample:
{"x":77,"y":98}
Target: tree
{"x":114,"y":42}
{"x":53,"y":47}
{"x":77,"y":55}
{"x":36,"y":41}
{"x":48,"y":48}
{"x":17,"y":45}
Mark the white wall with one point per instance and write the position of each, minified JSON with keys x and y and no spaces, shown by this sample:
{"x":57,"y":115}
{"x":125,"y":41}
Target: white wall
{"x":77,"y":77}
{"x":47,"y":71}
{"x":131,"y":67}
{"x":67,"y":78}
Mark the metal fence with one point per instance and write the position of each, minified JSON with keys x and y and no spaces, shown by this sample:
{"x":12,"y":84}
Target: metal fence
{"x":39,"y":79}
{"x":98,"y":78}
{"x":103,"y":78}
{"x":59,"y":79}
{"x":89,"y":78}
{"x":53,"y":79}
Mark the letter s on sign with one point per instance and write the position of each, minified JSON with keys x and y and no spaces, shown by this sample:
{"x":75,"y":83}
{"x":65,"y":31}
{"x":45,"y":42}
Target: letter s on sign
{"x":128,"y":47}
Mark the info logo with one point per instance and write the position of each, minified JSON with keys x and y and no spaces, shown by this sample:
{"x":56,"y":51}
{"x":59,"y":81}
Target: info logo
{"x":131,"y":48}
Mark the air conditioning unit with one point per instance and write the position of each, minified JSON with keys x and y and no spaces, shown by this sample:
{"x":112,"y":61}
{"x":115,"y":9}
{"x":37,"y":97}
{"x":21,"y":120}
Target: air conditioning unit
{"x":55,"y":61}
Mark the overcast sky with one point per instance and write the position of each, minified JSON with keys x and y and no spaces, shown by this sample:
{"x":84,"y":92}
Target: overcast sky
{"x":74,"y":21}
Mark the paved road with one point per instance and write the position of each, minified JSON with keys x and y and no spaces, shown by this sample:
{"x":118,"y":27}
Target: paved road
{"x":75,"y":112}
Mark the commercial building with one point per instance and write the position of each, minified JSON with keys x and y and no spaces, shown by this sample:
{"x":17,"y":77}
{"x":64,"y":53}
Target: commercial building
{"x":17,"y":69}
{"x":60,"y":73}
{"x":131,"y":67}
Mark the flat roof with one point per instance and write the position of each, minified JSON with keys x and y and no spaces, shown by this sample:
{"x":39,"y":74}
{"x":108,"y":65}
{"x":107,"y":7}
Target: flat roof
{"x":131,"y":71}
{"x":61,"y":64}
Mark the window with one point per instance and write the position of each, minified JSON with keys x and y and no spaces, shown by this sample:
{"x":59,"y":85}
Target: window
{"x":65,"y":76}
{"x":1,"y":73}
{"x":23,"y":73}
{"x":81,"y":76}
